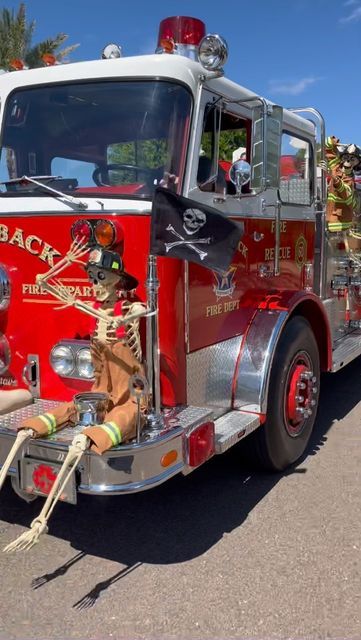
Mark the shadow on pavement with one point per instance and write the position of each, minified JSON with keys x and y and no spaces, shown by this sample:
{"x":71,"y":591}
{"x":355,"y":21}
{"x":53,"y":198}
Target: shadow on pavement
{"x":183,"y":518}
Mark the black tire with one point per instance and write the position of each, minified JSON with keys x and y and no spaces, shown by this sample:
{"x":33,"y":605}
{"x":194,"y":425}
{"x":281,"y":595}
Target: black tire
{"x":281,"y":440}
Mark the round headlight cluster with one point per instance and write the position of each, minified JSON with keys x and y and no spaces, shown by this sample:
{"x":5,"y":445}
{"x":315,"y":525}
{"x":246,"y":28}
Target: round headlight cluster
{"x":5,"y":354}
{"x":72,"y":360}
{"x":213,"y":52}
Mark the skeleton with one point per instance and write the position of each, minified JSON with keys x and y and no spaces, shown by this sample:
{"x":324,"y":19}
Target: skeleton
{"x":189,"y":243}
{"x":105,"y":294}
{"x":105,"y":283}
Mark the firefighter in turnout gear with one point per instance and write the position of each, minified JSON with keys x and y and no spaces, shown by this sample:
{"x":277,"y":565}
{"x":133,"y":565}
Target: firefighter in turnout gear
{"x":341,"y":198}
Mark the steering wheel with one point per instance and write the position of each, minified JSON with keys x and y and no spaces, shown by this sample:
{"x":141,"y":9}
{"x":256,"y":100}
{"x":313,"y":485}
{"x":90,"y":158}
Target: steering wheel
{"x":102,"y":172}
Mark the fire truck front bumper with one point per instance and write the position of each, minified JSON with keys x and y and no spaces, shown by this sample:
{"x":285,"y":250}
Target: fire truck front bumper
{"x":128,"y":468}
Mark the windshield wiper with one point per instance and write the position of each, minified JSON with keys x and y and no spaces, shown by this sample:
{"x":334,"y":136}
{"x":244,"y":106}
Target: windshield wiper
{"x":35,"y":180}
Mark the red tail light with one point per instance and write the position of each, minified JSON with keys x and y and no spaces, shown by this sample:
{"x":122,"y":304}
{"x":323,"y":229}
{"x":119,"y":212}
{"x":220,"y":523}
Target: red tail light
{"x":201,"y":444}
{"x":182,"y":30}
{"x":82,"y":230}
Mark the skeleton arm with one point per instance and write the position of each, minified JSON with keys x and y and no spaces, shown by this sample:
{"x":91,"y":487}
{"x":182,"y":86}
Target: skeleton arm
{"x":77,"y":250}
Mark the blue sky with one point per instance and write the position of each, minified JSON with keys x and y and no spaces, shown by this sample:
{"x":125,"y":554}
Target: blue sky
{"x":294,"y":52}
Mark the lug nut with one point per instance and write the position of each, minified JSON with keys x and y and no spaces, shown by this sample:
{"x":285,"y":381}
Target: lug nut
{"x":299,"y":398}
{"x":301,"y":410}
{"x":301,"y":385}
{"x":313,"y":402}
{"x":314,"y":389}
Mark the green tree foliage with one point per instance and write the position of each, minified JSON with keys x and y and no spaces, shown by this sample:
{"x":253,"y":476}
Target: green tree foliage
{"x":16,"y":35}
{"x":150,"y":154}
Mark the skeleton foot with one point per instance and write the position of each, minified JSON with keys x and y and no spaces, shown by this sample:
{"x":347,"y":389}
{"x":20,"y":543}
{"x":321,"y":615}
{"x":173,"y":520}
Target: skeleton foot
{"x":29,"y":538}
{"x":39,"y":526}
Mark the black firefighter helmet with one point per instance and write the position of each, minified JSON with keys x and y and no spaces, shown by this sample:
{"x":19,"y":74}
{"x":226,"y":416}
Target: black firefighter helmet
{"x":111,"y":261}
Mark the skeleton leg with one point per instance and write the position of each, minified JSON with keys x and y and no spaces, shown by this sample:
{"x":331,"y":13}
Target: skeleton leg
{"x":40,"y":524}
{"x":23,"y":436}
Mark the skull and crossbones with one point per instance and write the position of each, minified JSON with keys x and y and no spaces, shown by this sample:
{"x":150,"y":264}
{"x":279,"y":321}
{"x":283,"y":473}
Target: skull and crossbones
{"x":193,"y":221}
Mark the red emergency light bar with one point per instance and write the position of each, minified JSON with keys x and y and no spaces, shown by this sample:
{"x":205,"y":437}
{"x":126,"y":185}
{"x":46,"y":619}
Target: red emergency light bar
{"x":181,"y":30}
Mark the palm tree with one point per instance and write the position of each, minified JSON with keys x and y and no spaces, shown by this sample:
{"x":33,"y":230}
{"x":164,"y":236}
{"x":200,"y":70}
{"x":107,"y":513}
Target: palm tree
{"x":16,"y":41}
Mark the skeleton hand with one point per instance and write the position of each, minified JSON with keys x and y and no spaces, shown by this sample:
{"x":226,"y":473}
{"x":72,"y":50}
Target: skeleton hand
{"x":322,"y":164}
{"x":78,"y":248}
{"x":61,"y":293}
{"x":133,"y":312}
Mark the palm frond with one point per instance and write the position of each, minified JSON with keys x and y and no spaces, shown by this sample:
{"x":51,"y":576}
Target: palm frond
{"x":16,"y":35}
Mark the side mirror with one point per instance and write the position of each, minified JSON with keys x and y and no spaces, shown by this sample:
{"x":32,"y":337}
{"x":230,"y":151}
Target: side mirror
{"x":266,"y":147}
{"x":240,"y":174}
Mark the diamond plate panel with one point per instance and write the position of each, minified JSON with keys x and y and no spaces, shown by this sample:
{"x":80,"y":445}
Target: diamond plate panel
{"x":232,"y":427}
{"x":12,"y":420}
{"x":210,"y":374}
{"x":348,"y":349}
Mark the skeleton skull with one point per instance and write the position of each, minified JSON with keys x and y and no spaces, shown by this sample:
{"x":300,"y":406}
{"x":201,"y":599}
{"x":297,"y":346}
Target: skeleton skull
{"x":350,"y":158}
{"x":104,"y":282}
{"x":193,"y":220}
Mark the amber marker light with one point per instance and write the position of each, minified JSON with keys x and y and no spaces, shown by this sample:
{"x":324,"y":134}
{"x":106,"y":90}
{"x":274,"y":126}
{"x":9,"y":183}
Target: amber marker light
{"x":16,"y":64}
{"x":49,"y":59}
{"x":169,"y":458}
{"x":167,"y":44}
{"x":108,"y":233}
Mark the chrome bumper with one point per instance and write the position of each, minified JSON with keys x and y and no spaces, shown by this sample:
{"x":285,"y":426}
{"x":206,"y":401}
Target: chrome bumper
{"x":128,"y":468}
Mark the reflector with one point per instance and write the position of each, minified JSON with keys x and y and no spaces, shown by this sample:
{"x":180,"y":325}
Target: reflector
{"x":201,"y":444}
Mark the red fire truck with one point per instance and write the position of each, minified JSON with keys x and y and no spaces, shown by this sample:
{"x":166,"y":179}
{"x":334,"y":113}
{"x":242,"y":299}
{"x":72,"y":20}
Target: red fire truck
{"x":229,"y":355}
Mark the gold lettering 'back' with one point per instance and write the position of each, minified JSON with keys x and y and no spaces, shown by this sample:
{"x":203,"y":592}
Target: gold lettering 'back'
{"x":29,"y":243}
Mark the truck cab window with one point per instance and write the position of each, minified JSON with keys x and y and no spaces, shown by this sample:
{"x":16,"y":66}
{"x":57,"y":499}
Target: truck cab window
{"x":295,"y":170}
{"x":114,"y":137}
{"x":232,"y":143}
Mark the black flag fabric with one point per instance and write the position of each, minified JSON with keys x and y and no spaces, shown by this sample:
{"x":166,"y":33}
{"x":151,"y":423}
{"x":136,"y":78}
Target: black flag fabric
{"x":183,"y":228}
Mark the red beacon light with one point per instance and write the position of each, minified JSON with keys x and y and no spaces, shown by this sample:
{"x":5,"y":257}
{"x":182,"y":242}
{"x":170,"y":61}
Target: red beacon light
{"x":182,"y":35}
{"x":187,"y":37}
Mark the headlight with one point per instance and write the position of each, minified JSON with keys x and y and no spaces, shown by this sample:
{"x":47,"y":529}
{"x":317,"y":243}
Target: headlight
{"x":84,"y":364}
{"x":72,"y":359}
{"x":5,"y":354}
{"x":4,"y":288}
{"x":213,"y":52}
{"x":62,"y":360}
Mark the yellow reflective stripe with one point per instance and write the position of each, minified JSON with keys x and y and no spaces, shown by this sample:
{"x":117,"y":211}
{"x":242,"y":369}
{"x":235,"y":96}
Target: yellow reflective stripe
{"x":339,"y":226}
{"x":113,"y":431}
{"x":50,"y":421}
{"x":332,"y":197}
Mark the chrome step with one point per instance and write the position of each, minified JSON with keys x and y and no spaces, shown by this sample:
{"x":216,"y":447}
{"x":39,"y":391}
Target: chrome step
{"x":232,"y":427}
{"x":347,"y":349}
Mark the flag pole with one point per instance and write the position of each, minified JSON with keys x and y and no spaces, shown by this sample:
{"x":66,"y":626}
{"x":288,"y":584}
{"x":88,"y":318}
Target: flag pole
{"x":155,"y":421}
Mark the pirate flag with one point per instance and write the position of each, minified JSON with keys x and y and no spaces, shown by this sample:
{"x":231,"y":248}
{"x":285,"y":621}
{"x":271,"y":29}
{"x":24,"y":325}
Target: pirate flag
{"x":183,"y":228}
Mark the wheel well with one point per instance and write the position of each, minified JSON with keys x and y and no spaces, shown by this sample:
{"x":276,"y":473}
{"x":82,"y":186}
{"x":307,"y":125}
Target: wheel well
{"x":316,"y":317}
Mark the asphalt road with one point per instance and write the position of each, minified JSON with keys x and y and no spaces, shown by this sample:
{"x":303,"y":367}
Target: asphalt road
{"x":223,"y":553}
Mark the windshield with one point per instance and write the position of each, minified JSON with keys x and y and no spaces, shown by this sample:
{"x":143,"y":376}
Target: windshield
{"x":116,"y":138}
